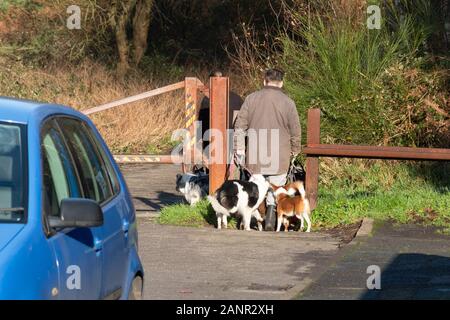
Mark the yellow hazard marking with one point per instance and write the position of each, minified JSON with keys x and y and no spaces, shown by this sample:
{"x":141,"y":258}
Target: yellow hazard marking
{"x":190,"y":122}
{"x":190,"y":110}
{"x":120,"y":158}
{"x":189,"y":116}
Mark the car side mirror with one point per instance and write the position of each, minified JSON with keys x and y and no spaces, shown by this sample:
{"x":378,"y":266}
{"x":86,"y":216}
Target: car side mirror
{"x":75,"y":212}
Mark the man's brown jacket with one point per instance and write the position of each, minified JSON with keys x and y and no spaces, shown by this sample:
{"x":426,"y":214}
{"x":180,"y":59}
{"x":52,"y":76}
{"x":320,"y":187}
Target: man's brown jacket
{"x":270,"y":120}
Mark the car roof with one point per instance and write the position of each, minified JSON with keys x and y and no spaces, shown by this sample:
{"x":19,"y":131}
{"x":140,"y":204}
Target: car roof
{"x":21,"y":111}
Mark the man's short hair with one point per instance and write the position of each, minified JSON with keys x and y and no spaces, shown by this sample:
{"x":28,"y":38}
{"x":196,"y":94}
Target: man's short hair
{"x":274,"y":75}
{"x":216,"y":73}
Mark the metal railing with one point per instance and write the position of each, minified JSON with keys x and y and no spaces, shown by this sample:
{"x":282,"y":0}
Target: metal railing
{"x":315,"y":149}
{"x":191,"y":86}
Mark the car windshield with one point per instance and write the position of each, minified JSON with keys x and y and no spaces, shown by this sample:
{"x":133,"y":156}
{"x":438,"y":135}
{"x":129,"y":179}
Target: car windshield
{"x":12,"y":173}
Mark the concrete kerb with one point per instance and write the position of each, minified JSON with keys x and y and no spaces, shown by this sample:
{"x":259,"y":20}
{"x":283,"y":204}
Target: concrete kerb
{"x":150,"y":215}
{"x":365,"y":229}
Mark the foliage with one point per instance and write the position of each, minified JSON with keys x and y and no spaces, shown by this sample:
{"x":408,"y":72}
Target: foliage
{"x":196,"y":32}
{"x":27,"y":4}
{"x":36,"y":31}
{"x":158,"y":66}
{"x":360,"y":78}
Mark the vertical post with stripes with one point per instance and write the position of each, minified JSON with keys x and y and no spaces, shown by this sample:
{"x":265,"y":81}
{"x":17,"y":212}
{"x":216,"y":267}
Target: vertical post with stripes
{"x":191,"y":99}
{"x":312,"y":162}
{"x":219,"y":95}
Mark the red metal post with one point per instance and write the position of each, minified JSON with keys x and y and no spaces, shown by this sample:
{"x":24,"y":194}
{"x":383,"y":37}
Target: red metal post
{"x":312,"y":162}
{"x":219,"y":87}
{"x":373,"y":152}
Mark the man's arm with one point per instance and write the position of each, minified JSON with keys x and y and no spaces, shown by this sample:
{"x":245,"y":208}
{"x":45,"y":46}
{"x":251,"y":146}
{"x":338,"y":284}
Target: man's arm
{"x":240,"y":128}
{"x":295,"y":130}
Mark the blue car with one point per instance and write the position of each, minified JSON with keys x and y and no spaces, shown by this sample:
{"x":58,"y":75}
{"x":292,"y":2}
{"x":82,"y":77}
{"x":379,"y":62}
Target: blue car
{"x":67,"y":223}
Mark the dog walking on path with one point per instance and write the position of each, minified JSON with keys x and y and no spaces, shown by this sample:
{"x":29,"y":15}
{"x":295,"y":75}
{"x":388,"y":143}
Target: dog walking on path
{"x":241,"y":197}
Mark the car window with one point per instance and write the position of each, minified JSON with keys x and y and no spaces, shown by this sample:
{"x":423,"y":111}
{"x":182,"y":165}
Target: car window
{"x":59,"y":177}
{"x":109,"y":166}
{"x":91,"y":168}
{"x":12,"y":173}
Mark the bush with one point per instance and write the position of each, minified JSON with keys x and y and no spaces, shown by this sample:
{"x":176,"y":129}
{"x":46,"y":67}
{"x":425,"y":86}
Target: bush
{"x":357,"y":76}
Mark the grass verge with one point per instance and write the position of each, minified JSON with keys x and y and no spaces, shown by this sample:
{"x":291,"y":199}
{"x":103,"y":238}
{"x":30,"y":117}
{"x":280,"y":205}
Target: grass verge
{"x":399,"y":191}
{"x":196,"y":216}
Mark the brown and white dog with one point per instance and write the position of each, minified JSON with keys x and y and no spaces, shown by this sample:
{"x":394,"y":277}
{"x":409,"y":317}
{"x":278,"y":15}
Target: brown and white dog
{"x":290,"y":205}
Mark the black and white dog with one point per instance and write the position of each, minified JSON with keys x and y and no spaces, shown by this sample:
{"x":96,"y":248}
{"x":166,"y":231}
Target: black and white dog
{"x":241,"y":197}
{"x":194,"y":186}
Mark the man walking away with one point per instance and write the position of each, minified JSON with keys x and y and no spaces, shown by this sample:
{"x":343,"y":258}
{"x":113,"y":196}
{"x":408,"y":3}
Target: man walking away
{"x":270,"y":120}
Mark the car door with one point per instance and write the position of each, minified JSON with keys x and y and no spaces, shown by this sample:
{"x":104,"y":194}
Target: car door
{"x":101,"y":185}
{"x":78,"y":256}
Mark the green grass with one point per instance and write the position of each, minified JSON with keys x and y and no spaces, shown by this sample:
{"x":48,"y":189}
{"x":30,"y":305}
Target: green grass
{"x":197,"y":216}
{"x":416,"y":193}
{"x":344,"y":207}
{"x":400,"y":192}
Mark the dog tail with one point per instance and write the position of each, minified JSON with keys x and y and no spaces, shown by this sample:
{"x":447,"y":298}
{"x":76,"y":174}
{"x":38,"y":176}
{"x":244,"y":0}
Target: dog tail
{"x":222,"y":203}
{"x":218,"y":208}
{"x":213,"y":200}
{"x":300,"y":188}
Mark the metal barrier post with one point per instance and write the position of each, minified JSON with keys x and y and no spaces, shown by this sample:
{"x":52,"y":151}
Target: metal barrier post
{"x":312,"y":163}
{"x":219,"y":93}
{"x":191,"y":100}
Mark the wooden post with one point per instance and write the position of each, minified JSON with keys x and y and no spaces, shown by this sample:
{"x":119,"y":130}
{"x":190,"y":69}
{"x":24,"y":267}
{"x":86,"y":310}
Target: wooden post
{"x":191,"y":100}
{"x":312,"y":163}
{"x":219,"y":87}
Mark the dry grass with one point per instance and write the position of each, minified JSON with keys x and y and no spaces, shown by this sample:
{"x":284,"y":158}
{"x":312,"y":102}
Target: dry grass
{"x":141,"y":127}
{"x":132,"y":128}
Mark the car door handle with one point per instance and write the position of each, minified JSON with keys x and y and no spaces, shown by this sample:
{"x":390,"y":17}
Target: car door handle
{"x":126,"y":227}
{"x":98,"y":245}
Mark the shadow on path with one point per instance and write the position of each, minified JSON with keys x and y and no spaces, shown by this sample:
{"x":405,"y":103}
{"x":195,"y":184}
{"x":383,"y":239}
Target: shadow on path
{"x":414,"y":276}
{"x":414,"y":261}
{"x":162,"y":199}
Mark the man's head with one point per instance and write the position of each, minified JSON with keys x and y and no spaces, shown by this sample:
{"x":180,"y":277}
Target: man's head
{"x":216,"y":73}
{"x":274,"y":77}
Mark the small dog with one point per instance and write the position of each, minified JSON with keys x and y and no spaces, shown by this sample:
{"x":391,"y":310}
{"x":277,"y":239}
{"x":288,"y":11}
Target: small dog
{"x":290,"y":205}
{"x":194,"y":186}
{"x":241,"y":197}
